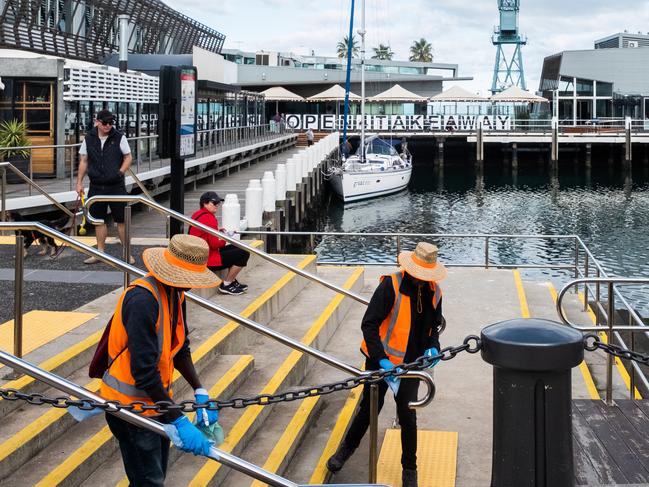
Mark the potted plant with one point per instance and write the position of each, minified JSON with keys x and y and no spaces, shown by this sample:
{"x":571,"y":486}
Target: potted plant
{"x":14,"y":134}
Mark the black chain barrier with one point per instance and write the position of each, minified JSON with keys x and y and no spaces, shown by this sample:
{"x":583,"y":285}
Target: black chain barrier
{"x":471,"y":344}
{"x":593,"y":342}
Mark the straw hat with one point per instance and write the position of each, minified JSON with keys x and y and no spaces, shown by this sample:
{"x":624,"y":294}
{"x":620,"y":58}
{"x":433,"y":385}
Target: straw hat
{"x":422,"y":263}
{"x":182,"y":264}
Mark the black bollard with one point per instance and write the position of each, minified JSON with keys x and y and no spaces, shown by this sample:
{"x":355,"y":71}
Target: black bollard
{"x":532,"y":418}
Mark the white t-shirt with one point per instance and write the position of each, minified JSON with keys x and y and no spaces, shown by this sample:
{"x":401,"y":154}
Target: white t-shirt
{"x":123,"y":145}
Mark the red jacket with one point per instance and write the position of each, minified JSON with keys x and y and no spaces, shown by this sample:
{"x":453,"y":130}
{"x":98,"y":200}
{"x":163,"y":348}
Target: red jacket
{"x":215,"y":243}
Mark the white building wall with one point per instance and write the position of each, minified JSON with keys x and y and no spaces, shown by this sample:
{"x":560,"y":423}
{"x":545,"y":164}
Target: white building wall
{"x":213,"y":67}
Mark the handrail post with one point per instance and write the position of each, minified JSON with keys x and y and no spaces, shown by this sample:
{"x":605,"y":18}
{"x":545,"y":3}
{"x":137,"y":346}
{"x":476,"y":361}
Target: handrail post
{"x":586,"y":271}
{"x":127,"y":241}
{"x":609,"y":357}
{"x":577,"y":265}
{"x":598,"y":296}
{"x":374,"y":432}
{"x":486,"y":253}
{"x":19,"y":272}
{"x":3,"y":197}
{"x":632,"y":380}
{"x":31,"y":170}
{"x":398,"y":245}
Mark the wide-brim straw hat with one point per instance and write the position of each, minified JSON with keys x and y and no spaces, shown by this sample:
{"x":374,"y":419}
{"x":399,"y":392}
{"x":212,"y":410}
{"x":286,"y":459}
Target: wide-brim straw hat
{"x":422,"y":263}
{"x":182,"y":264}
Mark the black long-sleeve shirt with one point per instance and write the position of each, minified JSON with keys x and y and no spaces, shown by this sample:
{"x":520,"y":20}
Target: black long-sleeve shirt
{"x":423,"y":328}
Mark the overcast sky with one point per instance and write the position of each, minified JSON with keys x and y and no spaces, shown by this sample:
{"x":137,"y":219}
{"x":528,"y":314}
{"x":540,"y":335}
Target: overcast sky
{"x":459,"y":30}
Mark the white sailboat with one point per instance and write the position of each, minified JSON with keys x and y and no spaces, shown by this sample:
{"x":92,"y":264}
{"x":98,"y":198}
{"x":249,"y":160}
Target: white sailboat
{"x":376,"y":169}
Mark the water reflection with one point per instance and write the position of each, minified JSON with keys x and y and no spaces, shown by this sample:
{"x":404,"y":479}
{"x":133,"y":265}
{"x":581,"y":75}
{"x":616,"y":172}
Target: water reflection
{"x":604,"y":203}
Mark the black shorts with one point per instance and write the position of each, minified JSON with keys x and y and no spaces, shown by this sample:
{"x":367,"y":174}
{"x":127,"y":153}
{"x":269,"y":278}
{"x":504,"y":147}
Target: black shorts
{"x":100,"y":209}
{"x":232,"y":255}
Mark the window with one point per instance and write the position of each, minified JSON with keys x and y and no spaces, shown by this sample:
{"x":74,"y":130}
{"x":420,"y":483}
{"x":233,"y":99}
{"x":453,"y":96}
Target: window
{"x":604,"y":89}
{"x":566,"y":86}
{"x":604,"y":108}
{"x":408,"y":70}
{"x":584,"y":87}
{"x":262,"y":59}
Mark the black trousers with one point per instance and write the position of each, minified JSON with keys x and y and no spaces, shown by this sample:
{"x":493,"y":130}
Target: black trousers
{"x":407,"y":419}
{"x":231,"y":255}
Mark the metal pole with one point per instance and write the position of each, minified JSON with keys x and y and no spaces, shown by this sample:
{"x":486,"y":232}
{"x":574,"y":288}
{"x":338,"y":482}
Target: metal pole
{"x":374,"y":432}
{"x":486,"y":253}
{"x":598,"y":296}
{"x":73,"y":389}
{"x":609,"y":357}
{"x":18,"y":296}
{"x":576,"y":264}
{"x":3,"y":196}
{"x":586,"y":285}
{"x":632,"y":384}
{"x":127,"y":242}
{"x":398,"y":245}
{"x":31,"y":170}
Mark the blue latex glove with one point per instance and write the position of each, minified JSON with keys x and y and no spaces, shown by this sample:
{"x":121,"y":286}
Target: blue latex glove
{"x":187,"y":437}
{"x":204,"y":416}
{"x":393,"y":382}
{"x":431,"y":352}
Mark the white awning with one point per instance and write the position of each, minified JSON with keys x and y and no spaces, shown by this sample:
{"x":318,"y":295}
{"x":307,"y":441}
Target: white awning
{"x":399,"y":94}
{"x":458,"y":94}
{"x":335,"y":93}
{"x":279,"y":93}
{"x":514,"y":94}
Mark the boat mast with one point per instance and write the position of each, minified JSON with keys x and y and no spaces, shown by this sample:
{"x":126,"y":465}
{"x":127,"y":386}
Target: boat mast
{"x":350,"y":45}
{"x":362,"y":34}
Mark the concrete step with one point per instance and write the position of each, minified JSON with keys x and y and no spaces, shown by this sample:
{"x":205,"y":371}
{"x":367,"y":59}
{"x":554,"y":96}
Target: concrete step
{"x":210,"y":334}
{"x":313,"y":316}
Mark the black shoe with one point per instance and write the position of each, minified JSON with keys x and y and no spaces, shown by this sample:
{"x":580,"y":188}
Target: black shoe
{"x":409,"y":478}
{"x":336,"y":462}
{"x":243,"y":287}
{"x":232,"y":288}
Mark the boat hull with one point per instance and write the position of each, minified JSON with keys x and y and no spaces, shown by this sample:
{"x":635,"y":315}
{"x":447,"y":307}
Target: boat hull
{"x":356,"y":186}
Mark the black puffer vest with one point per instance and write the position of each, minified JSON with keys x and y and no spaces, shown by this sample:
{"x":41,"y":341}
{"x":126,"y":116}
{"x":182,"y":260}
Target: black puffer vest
{"x":104,"y":164}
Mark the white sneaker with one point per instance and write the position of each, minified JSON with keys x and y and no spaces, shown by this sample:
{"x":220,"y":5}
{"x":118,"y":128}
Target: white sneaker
{"x":91,"y":260}
{"x":131,"y":260}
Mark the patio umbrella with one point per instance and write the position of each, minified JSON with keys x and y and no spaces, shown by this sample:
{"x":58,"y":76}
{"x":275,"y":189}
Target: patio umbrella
{"x":514,"y":94}
{"x":399,"y":94}
{"x":457,"y":94}
{"x":335,"y":93}
{"x":279,"y":93}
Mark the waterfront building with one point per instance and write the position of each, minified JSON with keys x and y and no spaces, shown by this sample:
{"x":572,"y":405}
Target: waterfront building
{"x":610,"y":81}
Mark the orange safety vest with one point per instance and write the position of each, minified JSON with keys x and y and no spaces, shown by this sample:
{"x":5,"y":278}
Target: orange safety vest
{"x":395,"y":328}
{"x":118,"y":383}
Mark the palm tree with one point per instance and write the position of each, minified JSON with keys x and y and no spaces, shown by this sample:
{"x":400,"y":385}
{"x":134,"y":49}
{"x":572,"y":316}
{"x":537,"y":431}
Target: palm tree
{"x":343,"y":47}
{"x":383,"y":52}
{"x":421,"y":51}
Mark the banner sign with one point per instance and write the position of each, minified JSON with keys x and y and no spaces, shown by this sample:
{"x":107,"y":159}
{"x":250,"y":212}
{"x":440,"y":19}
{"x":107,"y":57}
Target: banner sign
{"x":401,"y":123}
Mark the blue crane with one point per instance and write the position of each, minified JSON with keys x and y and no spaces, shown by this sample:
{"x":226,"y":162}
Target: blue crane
{"x":508,"y":70}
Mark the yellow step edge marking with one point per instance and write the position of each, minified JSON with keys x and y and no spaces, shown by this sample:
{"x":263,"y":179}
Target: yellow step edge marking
{"x":436,"y":458}
{"x":583,"y":368}
{"x":522,"y":298}
{"x":626,"y":378}
{"x":85,"y":451}
{"x":292,"y":430}
{"x":210,"y":468}
{"x":33,"y":429}
{"x":11,"y":240}
{"x":42,"y":327}
{"x":321,"y":472}
{"x":103,"y":436}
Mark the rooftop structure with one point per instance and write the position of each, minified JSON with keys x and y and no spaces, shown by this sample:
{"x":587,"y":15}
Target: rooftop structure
{"x":623,"y":40}
{"x":89,"y":29}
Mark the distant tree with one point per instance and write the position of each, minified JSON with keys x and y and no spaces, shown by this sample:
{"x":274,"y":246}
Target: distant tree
{"x":343,"y":46}
{"x":383,"y":52}
{"x":421,"y":51}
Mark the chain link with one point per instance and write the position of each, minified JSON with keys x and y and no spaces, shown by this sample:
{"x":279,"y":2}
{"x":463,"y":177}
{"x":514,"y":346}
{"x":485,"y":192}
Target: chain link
{"x":471,"y":344}
{"x":593,"y":342}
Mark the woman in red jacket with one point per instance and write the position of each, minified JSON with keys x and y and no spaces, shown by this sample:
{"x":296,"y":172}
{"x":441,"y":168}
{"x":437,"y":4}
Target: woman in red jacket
{"x":222,"y":256}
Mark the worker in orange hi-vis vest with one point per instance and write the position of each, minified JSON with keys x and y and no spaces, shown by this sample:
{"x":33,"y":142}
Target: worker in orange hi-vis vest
{"x":401,"y":324}
{"x":147,"y":341}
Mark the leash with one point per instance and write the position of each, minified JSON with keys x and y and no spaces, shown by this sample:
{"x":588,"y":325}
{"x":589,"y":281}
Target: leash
{"x":80,"y":202}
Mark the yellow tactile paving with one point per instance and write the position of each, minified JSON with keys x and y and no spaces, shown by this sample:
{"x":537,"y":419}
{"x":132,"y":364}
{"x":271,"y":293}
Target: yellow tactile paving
{"x":11,"y":240}
{"x":436,"y":458}
{"x":41,"y":327}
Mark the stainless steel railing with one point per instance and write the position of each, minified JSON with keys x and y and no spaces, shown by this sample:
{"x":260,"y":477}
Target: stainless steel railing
{"x":606,"y":309}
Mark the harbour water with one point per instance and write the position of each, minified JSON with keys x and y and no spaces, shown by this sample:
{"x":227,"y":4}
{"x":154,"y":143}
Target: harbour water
{"x":605,"y":205}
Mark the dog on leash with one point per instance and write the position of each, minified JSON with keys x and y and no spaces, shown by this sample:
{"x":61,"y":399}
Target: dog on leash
{"x":47,"y":243}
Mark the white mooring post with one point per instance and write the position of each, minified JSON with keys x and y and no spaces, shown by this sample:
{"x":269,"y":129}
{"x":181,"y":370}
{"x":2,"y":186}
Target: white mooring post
{"x":280,"y":182}
{"x":628,"y":144}
{"x":291,"y":179}
{"x":268,"y":189}
{"x":554,"y":151}
{"x":231,"y":213}
{"x":254,"y":196}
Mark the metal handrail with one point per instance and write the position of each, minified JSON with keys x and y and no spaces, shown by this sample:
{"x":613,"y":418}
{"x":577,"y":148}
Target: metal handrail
{"x":7,"y":165}
{"x":179,"y":216}
{"x":612,"y":330}
{"x":73,"y":389}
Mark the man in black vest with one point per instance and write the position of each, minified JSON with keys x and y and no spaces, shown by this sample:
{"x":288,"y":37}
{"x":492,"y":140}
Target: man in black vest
{"x":106,"y":156}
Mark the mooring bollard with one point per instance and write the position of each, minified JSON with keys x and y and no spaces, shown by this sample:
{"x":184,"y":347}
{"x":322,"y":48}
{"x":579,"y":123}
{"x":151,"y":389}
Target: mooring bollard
{"x":532,"y":421}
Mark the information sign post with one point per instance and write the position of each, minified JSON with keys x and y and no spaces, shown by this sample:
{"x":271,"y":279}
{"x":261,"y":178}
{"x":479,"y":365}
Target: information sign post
{"x":177,"y":125}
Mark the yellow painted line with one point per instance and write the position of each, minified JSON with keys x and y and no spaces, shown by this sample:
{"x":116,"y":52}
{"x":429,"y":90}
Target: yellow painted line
{"x":321,"y":472}
{"x":60,"y":473}
{"x":626,"y":378}
{"x":583,"y":368}
{"x":436,"y":458}
{"x":37,"y":426}
{"x":11,"y":240}
{"x":522,"y":299}
{"x":292,"y":430}
{"x":94,"y":443}
{"x":41,"y":327}
{"x":210,"y":469}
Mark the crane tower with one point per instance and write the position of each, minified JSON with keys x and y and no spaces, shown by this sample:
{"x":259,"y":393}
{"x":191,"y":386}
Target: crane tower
{"x":508,"y":70}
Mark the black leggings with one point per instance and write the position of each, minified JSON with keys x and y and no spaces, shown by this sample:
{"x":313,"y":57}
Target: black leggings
{"x":231,"y":255}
